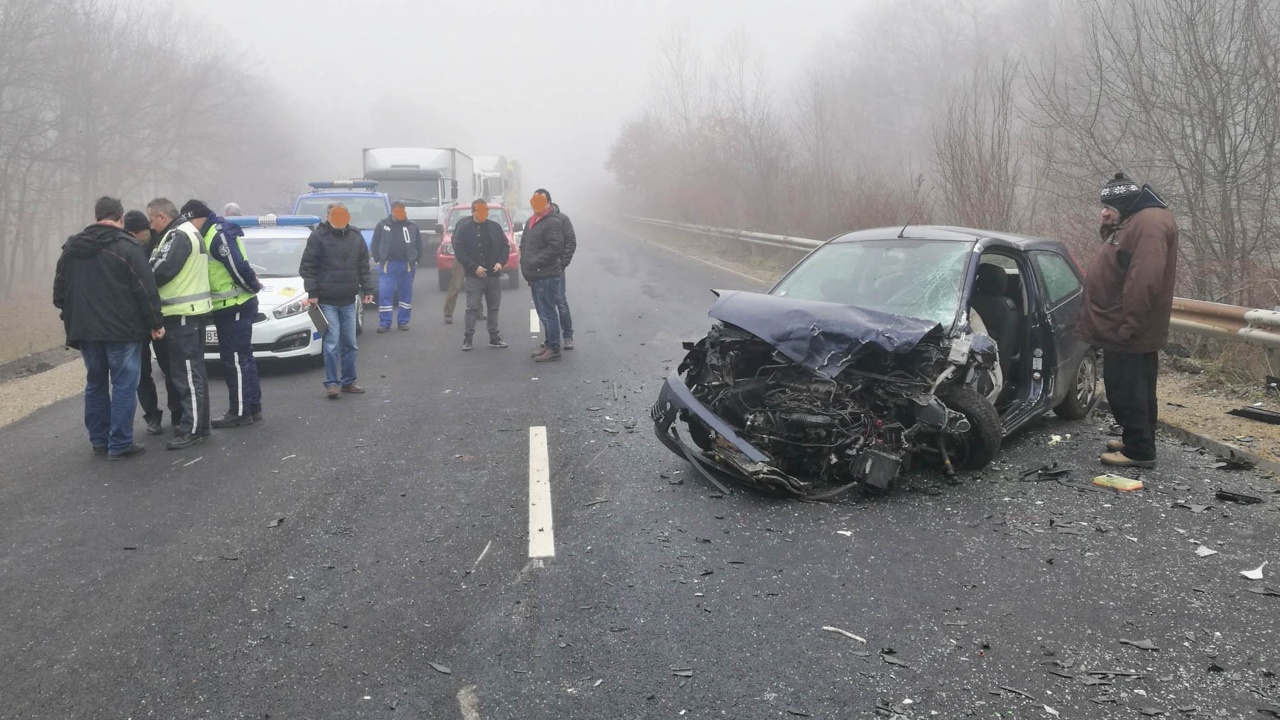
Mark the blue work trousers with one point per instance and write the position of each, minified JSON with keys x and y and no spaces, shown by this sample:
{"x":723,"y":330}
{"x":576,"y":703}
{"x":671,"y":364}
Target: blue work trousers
{"x":235,"y":346}
{"x":340,"y":344}
{"x":110,"y":392}
{"x":546,"y":302}
{"x":395,"y":282}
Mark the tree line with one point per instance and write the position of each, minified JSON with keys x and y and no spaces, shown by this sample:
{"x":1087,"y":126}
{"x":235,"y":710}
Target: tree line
{"x":994,"y":114}
{"x":97,"y":98}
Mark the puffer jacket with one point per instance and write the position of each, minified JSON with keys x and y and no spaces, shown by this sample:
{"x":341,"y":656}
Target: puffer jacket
{"x":397,"y":241}
{"x":335,"y":265}
{"x":1128,"y":292}
{"x":542,"y":248}
{"x":104,"y":288}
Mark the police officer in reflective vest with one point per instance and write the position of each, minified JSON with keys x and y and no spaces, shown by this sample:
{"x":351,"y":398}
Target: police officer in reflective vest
{"x":233,"y":287}
{"x":181,"y":268}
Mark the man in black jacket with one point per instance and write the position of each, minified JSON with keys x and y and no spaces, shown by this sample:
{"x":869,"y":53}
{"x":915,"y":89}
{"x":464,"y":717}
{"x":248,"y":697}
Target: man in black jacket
{"x":335,"y":273}
{"x":480,"y":246}
{"x":110,"y":308}
{"x":397,"y":245}
{"x":137,"y":225}
{"x":541,"y":263}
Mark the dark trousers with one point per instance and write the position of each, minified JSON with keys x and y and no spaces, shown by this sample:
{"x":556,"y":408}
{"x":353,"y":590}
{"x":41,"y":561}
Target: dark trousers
{"x":1130,"y":381}
{"x":186,"y":367}
{"x":480,"y":292}
{"x":235,"y":346}
{"x":147,"y":396}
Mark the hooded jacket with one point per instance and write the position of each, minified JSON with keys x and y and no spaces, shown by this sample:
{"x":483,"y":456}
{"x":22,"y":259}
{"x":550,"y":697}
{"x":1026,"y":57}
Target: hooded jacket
{"x":570,"y":238}
{"x":396,"y":241}
{"x":335,"y":265}
{"x":1128,"y":291}
{"x":104,"y":288}
{"x":479,"y":244}
{"x":542,"y":246}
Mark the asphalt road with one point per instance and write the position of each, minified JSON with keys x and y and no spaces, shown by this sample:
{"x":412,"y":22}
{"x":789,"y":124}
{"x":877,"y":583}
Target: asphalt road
{"x":370,"y":557}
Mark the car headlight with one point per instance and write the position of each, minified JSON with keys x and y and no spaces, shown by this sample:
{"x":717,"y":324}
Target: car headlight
{"x":296,"y":306}
{"x":446,"y":249}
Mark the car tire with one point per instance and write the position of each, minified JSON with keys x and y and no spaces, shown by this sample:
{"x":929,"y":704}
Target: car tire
{"x":1083,"y":396}
{"x":513,"y":279}
{"x":445,"y":276}
{"x":982,"y":442}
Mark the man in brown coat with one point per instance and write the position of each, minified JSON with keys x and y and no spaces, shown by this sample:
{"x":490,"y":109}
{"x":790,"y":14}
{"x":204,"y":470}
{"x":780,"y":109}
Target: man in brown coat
{"x":1128,"y":296}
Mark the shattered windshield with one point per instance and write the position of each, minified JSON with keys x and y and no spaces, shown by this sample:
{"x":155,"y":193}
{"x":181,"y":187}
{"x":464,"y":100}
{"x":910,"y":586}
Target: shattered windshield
{"x":915,"y":278}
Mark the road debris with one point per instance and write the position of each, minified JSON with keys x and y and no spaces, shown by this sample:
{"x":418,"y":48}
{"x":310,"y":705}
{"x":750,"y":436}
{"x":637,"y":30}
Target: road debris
{"x":440,"y":668}
{"x":1052,"y":712}
{"x":1236,"y":497}
{"x":276,"y":522}
{"x":1233,"y":464}
{"x":1152,"y":712}
{"x":288,"y":457}
{"x":682,"y":672}
{"x":1258,"y":414}
{"x":1051,"y":471}
{"x":1203,"y":551}
{"x":1265,"y":590}
{"x":1118,"y":482}
{"x":484,"y":552}
{"x":845,"y":633}
{"x":1254,"y":574}
{"x":193,"y":462}
{"x":1197,"y":509}
{"x":1015,"y":691}
{"x":891,"y":660}
{"x":1140,"y":644}
{"x":798,"y":713}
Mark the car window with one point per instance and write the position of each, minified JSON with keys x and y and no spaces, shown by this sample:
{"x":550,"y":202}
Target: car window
{"x":366,"y":212}
{"x":1060,"y":280}
{"x":274,"y":256}
{"x":915,"y":278}
{"x":498,"y":215}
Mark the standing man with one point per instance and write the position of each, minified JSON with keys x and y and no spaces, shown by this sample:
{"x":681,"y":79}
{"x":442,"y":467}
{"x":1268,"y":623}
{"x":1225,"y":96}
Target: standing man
{"x":541,"y":250}
{"x":335,"y":272}
{"x":110,"y":309}
{"x":137,"y":225}
{"x":1128,"y":297}
{"x":181,"y":267}
{"x":480,"y":248}
{"x":234,"y":287}
{"x":566,"y":257}
{"x":397,"y":245}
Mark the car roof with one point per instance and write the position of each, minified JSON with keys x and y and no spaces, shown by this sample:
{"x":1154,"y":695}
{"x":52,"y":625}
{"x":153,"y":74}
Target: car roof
{"x":983,"y":238}
{"x":343,"y":193}
{"x":277,"y":231}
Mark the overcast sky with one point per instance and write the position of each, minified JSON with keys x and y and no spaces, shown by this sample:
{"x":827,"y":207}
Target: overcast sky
{"x":549,"y":82}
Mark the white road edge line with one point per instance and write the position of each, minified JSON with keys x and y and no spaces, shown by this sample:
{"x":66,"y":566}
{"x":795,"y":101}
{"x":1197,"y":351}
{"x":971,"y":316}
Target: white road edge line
{"x":535,"y":325}
{"x":468,"y":703}
{"x":542,"y":541}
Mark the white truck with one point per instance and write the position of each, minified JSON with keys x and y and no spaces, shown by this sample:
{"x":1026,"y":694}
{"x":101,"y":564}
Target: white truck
{"x":428,"y":181}
{"x":497,"y":179}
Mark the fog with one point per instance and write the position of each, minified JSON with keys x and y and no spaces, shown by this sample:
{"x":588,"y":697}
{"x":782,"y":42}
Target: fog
{"x":549,"y":83}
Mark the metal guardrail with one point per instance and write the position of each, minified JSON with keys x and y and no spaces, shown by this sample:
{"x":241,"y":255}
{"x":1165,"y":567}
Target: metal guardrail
{"x":1229,"y":322}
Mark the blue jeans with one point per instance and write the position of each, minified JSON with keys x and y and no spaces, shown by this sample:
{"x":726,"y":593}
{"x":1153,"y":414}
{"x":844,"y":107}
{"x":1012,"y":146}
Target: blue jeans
{"x":546,"y":301}
{"x":562,"y":303}
{"x":110,"y":392}
{"x":340,"y":344}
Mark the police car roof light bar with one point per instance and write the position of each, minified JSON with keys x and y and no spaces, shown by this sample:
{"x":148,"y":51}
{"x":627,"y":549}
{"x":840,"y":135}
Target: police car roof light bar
{"x":344,"y":184}
{"x":274,"y":220}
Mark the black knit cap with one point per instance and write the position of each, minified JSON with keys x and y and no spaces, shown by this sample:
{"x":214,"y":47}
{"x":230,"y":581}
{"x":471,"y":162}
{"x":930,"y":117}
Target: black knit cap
{"x":196,"y":209}
{"x":136,"y":221}
{"x":1120,"y":192}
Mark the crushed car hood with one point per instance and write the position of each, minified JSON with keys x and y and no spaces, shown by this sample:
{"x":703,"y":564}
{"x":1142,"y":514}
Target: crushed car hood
{"x":824,"y":337}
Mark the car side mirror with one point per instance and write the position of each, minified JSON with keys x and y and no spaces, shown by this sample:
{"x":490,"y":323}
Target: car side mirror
{"x":519,"y":227}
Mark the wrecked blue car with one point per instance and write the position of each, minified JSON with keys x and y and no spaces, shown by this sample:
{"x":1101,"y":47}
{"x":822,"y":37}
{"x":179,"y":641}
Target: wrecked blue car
{"x":881,"y":350}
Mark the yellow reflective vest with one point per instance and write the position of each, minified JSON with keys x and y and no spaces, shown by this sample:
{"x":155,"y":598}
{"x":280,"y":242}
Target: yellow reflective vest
{"x":222,"y":289}
{"x":188,"y":292}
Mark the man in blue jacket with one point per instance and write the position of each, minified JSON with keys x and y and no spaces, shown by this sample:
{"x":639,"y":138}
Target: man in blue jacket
{"x":396,"y":246}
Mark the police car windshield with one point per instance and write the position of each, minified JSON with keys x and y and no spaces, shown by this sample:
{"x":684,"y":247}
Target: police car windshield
{"x":497,"y":215}
{"x":366,"y":212}
{"x":273,"y":257}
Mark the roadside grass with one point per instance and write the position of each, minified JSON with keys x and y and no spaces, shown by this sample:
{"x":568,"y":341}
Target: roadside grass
{"x":29,"y":323}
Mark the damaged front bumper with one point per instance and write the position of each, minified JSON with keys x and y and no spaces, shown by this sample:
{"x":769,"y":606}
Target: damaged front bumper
{"x":732,"y":459}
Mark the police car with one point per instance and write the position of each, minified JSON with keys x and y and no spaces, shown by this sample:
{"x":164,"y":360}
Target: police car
{"x":273,"y":245}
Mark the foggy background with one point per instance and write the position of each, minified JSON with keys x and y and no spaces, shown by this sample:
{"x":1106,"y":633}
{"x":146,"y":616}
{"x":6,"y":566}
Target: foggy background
{"x":808,"y":117}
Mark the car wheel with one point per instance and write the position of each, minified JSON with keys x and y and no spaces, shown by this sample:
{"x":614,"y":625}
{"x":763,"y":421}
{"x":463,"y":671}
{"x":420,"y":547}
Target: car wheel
{"x":1083,"y":396}
{"x":978,"y":447}
{"x":513,"y":279}
{"x":445,"y":276}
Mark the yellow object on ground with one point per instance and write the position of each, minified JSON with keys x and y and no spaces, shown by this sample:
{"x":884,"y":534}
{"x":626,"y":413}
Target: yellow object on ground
{"x":1119,"y":482}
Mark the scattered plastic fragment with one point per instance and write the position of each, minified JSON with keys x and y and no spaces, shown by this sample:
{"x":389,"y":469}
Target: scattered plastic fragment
{"x":1236,"y":497}
{"x":1119,"y":482}
{"x":1054,"y":440}
{"x":1203,"y":551}
{"x":440,"y":668}
{"x":1140,"y":644}
{"x":276,"y":522}
{"x":1051,"y":711}
{"x":845,"y":633}
{"x":1265,"y":590}
{"x":1254,"y":574}
{"x":682,"y":672}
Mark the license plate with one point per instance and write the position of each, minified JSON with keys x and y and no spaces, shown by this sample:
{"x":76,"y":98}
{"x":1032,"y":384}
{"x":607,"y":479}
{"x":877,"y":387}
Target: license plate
{"x":210,"y":336}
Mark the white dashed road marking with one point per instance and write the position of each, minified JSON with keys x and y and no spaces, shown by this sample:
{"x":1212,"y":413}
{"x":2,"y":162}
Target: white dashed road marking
{"x":535,"y":325}
{"x":542,"y":542}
